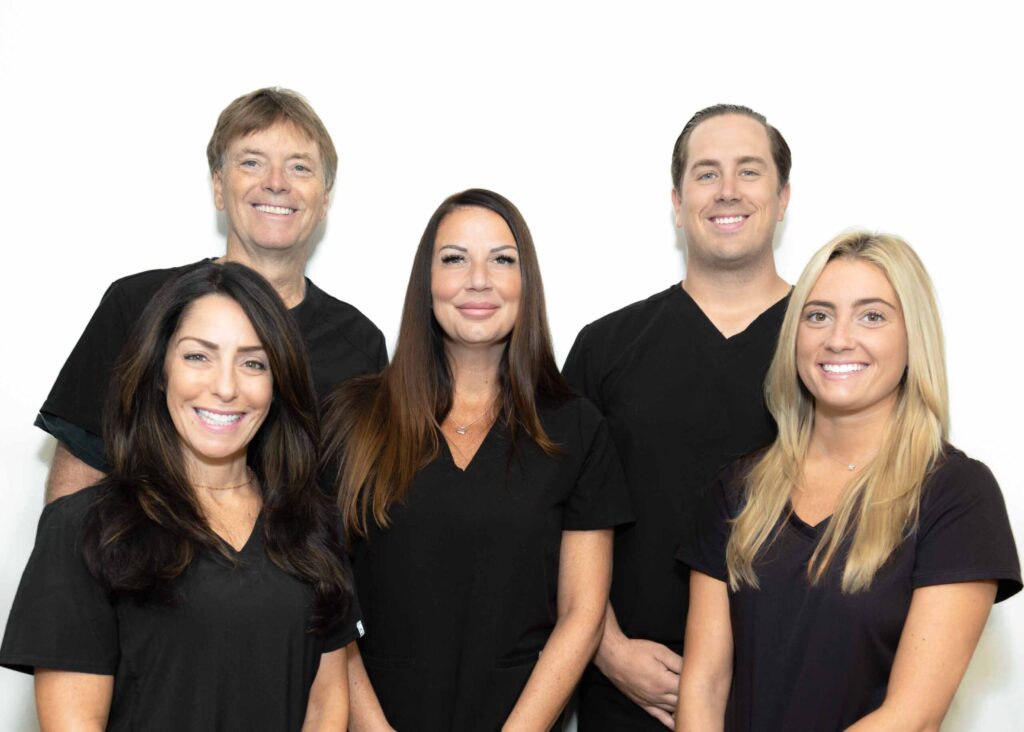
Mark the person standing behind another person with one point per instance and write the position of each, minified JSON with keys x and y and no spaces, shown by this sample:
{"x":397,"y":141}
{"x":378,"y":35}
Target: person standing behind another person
{"x":841,"y":577}
{"x":678,"y":377}
{"x":273,"y":165}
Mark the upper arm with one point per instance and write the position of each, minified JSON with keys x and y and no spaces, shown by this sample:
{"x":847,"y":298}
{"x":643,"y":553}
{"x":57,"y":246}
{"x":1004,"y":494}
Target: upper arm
{"x":72,"y":701}
{"x":584,"y":570}
{"x":328,"y":696}
{"x":937,"y":642}
{"x":68,"y":474}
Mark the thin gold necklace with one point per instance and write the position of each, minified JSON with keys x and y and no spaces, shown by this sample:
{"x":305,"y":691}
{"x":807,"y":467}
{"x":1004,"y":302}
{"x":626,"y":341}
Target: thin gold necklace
{"x":247,"y":481}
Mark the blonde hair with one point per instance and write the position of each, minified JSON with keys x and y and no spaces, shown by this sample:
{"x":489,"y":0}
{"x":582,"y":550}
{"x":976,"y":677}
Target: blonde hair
{"x":880,"y":503}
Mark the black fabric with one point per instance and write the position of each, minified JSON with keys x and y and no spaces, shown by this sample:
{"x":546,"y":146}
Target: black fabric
{"x":340,"y":342}
{"x":233,"y":653}
{"x":682,"y":402}
{"x":812,"y":658}
{"x":459,"y":592}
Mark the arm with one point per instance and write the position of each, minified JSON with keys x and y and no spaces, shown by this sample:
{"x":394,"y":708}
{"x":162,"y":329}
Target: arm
{"x":327,"y":708}
{"x":707,"y":664}
{"x":68,"y":474}
{"x":72,"y":701}
{"x":365,"y":712}
{"x":941,"y":632}
{"x":584,"y":576}
{"x":645,"y":671}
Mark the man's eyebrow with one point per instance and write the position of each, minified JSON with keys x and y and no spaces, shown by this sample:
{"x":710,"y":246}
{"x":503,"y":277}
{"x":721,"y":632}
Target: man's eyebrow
{"x":214,"y":347}
{"x":745,"y":160}
{"x":748,"y":159}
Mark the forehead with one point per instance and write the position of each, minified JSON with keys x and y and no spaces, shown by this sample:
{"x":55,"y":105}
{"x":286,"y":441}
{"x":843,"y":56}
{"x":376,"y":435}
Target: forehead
{"x":214,"y":312}
{"x":848,"y":280}
{"x":472,"y":225}
{"x":728,"y":137}
{"x":281,"y":138}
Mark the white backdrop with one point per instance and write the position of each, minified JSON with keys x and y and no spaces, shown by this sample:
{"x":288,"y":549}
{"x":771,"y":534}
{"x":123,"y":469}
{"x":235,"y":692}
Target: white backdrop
{"x":901,"y":122}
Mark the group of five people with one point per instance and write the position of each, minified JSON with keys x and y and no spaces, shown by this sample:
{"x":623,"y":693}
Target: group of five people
{"x":765,"y":467}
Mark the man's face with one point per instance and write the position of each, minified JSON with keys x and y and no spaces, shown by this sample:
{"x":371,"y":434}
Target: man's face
{"x":271,"y":187}
{"x":728,"y":200}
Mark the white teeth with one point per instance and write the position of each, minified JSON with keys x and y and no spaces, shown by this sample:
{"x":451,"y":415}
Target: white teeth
{"x":843,"y":368}
{"x":218,"y":419}
{"x":727,"y":219}
{"x":281,"y":210}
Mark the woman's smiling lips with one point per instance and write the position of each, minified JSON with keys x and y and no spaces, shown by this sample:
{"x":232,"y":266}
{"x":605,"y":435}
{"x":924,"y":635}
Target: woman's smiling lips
{"x":217,"y":420}
{"x":841,"y":370}
{"x":477,"y":310}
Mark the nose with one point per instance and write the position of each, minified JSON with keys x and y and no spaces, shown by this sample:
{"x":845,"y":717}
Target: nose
{"x":224,"y":383}
{"x":840,"y":337}
{"x":479,"y":277}
{"x":276,"y":181}
{"x":727,"y":190}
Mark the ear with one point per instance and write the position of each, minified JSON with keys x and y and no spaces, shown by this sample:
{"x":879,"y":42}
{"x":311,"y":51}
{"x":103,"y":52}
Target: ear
{"x":783,"y":201}
{"x":677,"y":207}
{"x":218,"y":190}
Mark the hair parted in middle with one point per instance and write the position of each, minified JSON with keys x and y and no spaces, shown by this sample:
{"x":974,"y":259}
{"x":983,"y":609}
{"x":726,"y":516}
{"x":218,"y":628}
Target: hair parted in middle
{"x":379,"y":431}
{"x":881,"y":503}
{"x":147,"y":525}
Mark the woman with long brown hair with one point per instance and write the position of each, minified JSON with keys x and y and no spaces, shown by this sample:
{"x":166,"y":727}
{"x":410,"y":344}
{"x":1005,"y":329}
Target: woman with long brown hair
{"x":478,"y":492}
{"x":842,"y":576}
{"x":201,"y":585}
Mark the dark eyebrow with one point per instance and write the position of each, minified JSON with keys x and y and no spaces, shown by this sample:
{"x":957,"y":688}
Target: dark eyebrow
{"x":215,"y":347}
{"x":748,"y":159}
{"x":460,"y":248}
{"x":745,"y":160}
{"x":857,"y":304}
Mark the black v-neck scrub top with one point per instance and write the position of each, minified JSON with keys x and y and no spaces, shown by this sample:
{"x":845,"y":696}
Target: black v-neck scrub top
{"x":234,"y":653}
{"x":682,"y":402}
{"x":813,"y":658}
{"x":459,"y":593}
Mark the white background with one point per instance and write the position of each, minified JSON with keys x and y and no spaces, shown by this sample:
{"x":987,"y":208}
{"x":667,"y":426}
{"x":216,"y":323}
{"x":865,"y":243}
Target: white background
{"x":898,"y":121}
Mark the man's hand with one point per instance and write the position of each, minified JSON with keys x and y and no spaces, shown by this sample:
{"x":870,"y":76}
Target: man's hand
{"x":645,"y":671}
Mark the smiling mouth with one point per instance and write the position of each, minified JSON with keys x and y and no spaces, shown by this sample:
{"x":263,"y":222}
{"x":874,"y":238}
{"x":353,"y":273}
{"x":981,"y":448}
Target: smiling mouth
{"x":842,"y":368}
{"x":277,"y":210}
{"x":218,"y":419}
{"x":726,"y":220}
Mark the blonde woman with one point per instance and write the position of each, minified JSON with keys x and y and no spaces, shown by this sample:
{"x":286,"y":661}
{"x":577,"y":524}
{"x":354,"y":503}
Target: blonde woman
{"x":842,"y":576}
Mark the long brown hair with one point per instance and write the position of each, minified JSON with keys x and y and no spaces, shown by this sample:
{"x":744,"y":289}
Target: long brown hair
{"x":147,"y":526}
{"x":379,"y":431}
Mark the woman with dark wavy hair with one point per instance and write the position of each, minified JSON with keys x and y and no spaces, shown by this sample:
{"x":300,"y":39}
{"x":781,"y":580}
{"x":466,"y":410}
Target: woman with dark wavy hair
{"x":479,"y":492}
{"x":201,"y":585}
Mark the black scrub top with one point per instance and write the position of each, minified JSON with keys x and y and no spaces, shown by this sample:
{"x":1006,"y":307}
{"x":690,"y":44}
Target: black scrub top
{"x":682,"y":402}
{"x":459,"y":593}
{"x":234,"y":653}
{"x":340,"y":341}
{"x":814,"y":658}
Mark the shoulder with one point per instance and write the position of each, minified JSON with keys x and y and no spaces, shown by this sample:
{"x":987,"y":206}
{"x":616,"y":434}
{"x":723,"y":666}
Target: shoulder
{"x":623,"y":324}
{"x":958,"y":478}
{"x":573,"y":412}
{"x":346,"y":320}
{"x":68,"y":513}
{"x":142,"y":285}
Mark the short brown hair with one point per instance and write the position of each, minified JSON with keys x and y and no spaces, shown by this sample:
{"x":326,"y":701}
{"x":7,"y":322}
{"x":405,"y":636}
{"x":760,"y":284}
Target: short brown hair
{"x":780,"y":150}
{"x":260,"y":110}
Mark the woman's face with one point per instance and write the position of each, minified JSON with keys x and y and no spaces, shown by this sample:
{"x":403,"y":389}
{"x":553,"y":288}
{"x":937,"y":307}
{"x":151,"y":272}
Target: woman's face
{"x":474,"y":278}
{"x":219,"y":385}
{"x":851,"y":345}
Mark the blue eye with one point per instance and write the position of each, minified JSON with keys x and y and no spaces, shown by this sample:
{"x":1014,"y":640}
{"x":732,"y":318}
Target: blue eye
{"x":706,"y":176}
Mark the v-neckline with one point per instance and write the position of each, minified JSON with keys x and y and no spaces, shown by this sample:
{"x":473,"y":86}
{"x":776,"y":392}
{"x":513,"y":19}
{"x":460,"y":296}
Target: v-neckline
{"x":483,"y":444}
{"x":709,"y":325}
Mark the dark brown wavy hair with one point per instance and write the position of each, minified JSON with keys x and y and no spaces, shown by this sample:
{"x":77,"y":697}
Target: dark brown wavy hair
{"x":146,"y":526}
{"x":379,"y":431}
